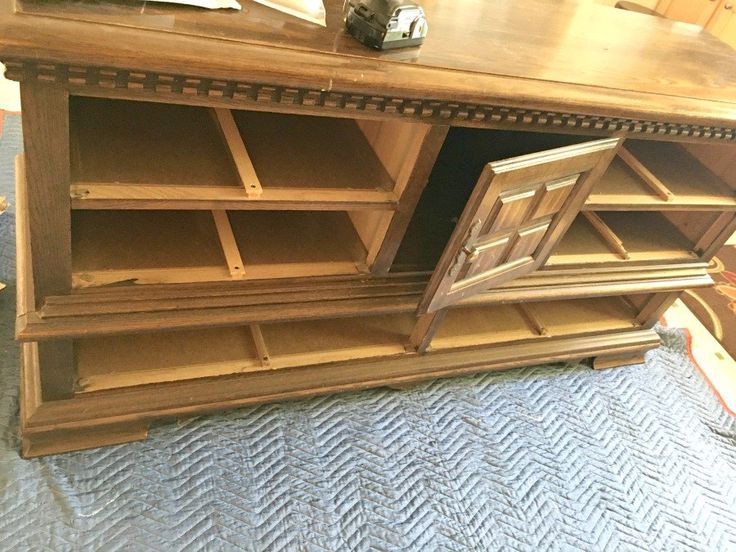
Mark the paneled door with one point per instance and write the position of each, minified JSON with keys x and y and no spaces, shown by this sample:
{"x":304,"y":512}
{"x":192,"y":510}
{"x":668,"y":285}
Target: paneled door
{"x":517,"y":212}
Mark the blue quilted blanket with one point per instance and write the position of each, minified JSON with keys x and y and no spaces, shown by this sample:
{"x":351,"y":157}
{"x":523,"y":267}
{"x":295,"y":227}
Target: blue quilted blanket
{"x":546,"y":458}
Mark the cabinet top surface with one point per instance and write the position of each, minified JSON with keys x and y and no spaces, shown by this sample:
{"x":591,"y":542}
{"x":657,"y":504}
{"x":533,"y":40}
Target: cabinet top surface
{"x":541,"y":54}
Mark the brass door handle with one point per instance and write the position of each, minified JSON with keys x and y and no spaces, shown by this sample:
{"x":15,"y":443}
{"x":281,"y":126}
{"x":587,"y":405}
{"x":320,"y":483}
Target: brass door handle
{"x":472,"y":254}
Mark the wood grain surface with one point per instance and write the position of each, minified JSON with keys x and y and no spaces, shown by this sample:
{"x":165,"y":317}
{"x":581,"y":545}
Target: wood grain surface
{"x":516,"y":54}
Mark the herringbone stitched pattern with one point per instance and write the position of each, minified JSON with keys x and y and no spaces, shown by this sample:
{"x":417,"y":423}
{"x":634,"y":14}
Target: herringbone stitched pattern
{"x":544,"y":458}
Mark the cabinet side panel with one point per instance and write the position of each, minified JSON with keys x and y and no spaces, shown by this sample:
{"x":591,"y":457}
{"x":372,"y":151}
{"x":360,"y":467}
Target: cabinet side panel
{"x":46,"y":152}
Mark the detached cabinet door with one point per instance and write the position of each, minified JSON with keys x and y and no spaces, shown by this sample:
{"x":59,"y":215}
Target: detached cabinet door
{"x":517,"y":212}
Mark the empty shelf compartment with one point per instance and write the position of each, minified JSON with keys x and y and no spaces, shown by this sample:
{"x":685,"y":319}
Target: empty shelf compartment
{"x":144,"y":155}
{"x":485,"y":325}
{"x":659,"y":176}
{"x":631,"y":237}
{"x":146,"y":247}
{"x":120,"y":361}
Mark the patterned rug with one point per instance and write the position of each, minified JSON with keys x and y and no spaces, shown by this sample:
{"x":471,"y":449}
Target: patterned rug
{"x":544,"y":458}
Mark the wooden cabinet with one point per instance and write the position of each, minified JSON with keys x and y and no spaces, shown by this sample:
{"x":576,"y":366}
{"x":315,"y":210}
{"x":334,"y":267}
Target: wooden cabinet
{"x":234,"y":221}
{"x":697,"y":12}
{"x":716,"y":16}
{"x":723,"y":23}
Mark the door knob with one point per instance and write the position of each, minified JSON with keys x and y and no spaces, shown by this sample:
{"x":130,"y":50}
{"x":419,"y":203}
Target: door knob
{"x":728,"y":6}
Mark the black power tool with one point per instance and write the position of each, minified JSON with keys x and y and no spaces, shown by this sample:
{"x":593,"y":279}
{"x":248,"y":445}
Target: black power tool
{"x":387,"y":24}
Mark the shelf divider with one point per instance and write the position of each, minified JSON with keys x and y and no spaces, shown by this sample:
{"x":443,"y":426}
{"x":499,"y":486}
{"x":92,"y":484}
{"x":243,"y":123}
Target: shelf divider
{"x":238,"y":152}
{"x":229,"y":245}
{"x":610,"y":237}
{"x":654,"y":183}
{"x":263,"y":355}
{"x":530,"y":316}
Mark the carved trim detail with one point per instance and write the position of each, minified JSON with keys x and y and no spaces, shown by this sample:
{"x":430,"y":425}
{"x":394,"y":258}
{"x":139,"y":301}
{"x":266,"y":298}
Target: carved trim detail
{"x":429,"y":110}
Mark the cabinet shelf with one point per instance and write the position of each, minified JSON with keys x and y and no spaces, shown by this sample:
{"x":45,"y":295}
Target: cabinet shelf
{"x":138,"y":155}
{"x":130,"y":360}
{"x":646,"y":237}
{"x":145,"y":247}
{"x":691,"y":185}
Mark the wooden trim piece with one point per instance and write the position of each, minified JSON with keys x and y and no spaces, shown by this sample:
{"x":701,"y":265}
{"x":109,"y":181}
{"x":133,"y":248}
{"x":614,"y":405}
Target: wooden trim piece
{"x":208,"y":394}
{"x":113,"y":311}
{"x":47,"y":178}
{"x":654,"y":308}
{"x":238,"y":152}
{"x":263,"y":355}
{"x":424,"y":330}
{"x":608,"y":235}
{"x":151,"y":276}
{"x":606,"y":362}
{"x":45,"y":443}
{"x":30,"y":381}
{"x":25,"y":296}
{"x":416,"y":181}
{"x":704,"y":119}
{"x":55,"y":379}
{"x":101,"y":195}
{"x":157,"y":276}
{"x":229,"y":245}
{"x":654,"y":183}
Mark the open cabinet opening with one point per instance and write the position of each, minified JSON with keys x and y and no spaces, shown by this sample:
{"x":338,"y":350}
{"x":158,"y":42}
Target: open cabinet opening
{"x":655,"y":202}
{"x":120,"y":361}
{"x":459,"y":164}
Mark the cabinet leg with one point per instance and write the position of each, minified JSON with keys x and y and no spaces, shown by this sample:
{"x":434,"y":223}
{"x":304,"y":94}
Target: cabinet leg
{"x":68,"y":440}
{"x":603,"y":362}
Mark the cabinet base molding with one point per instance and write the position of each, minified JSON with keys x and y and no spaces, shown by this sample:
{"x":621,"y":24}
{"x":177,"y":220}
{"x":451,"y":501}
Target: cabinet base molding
{"x":58,"y":441}
{"x":87,"y":421}
{"x":604,"y":362}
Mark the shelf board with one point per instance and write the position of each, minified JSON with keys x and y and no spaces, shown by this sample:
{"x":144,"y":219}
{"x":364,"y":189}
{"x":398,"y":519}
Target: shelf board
{"x":139,"y":155}
{"x":91,"y":195}
{"x":692,"y":185}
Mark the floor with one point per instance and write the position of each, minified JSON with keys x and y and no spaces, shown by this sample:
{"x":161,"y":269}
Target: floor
{"x":715,"y":363}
